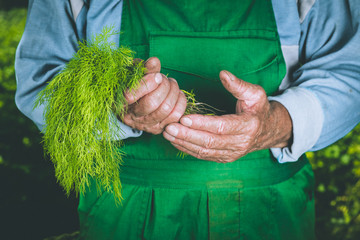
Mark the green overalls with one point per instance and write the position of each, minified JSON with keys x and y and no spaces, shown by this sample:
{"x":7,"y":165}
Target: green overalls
{"x":167,"y":197}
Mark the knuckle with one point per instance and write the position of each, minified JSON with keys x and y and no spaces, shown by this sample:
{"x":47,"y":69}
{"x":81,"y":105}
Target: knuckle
{"x":143,"y":128}
{"x":260,"y":90}
{"x":157,"y":131}
{"x":245,"y":146}
{"x":201,"y":153}
{"x":173,"y":83}
{"x":150,"y":105}
{"x":166,"y":108}
{"x":220,"y":127}
{"x":187,"y":136}
{"x":232,"y":158}
{"x":172,"y":118}
{"x":260,"y":93}
{"x":181,"y":103}
{"x":147,"y":79}
{"x":219,"y":160}
{"x":137,"y":126}
{"x":181,"y":107}
{"x":254,"y":125}
{"x":175,"y":116}
{"x":209,"y":142}
{"x":222,"y":160}
{"x":152,"y":128}
{"x":229,"y":157}
{"x":130,"y":109}
{"x":256,"y":122}
{"x":242,"y":147}
{"x":127,"y":120}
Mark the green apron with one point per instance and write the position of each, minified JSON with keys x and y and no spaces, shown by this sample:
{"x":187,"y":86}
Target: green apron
{"x":166,"y":197}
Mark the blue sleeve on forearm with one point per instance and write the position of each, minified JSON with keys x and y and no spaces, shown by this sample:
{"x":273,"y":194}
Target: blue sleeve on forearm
{"x":49,"y":41}
{"x":323,"y":93}
{"x":330,"y":54}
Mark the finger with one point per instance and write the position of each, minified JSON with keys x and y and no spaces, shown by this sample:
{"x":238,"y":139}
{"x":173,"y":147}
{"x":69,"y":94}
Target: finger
{"x":148,"y":84}
{"x":220,"y":156}
{"x":231,"y":124}
{"x":153,"y":65}
{"x":179,"y":134}
{"x":250,"y":93}
{"x":151,"y":101}
{"x":166,"y":106}
{"x":177,"y":112}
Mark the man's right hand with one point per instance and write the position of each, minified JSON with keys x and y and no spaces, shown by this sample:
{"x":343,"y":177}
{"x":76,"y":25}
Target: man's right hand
{"x":157,"y":102}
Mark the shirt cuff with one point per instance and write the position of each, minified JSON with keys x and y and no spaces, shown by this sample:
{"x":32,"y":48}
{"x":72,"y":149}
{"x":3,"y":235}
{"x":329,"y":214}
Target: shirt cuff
{"x":307,"y":118}
{"x":121,"y":131}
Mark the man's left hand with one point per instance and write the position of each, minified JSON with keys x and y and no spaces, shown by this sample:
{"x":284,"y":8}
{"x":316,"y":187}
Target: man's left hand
{"x":257,"y":124}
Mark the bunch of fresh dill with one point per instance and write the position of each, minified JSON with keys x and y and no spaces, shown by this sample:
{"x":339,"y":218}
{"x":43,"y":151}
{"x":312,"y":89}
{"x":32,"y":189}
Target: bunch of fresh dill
{"x":81,"y":102}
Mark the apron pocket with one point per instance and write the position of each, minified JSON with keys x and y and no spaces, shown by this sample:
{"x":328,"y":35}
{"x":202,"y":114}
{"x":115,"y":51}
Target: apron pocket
{"x":249,"y":54}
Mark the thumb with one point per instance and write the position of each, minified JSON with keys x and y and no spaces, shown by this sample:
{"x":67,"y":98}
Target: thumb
{"x":250,"y":94}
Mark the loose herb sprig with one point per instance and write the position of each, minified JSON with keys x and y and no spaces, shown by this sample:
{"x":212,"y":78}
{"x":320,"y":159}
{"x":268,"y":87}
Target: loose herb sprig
{"x":82,"y":103}
{"x":195,"y":107}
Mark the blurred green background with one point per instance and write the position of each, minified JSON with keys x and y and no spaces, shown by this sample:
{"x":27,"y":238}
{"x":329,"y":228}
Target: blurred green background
{"x":33,"y":206}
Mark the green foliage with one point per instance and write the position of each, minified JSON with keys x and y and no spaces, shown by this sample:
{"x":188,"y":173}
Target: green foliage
{"x":337,"y":172}
{"x":11,"y":23}
{"x":14,"y":130}
{"x":80,"y":105}
{"x":7,"y":5}
{"x":30,"y":198}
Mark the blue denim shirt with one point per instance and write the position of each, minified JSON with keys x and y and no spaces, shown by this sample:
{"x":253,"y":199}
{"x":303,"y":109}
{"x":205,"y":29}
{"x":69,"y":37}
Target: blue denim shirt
{"x":320,"y":41}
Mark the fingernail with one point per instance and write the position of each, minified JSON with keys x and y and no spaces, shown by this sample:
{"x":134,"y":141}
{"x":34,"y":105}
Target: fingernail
{"x":172,"y":130}
{"x":186,"y":121}
{"x":168,"y":137}
{"x":230,"y":75}
{"x":158,"y":78}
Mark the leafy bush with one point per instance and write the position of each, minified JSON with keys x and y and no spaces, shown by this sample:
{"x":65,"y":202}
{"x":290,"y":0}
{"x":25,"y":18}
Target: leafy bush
{"x":32,"y":206}
{"x":337,"y":172}
{"x":6,"y":5}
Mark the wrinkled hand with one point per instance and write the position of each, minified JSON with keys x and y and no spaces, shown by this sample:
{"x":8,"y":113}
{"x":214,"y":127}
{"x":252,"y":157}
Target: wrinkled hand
{"x":156,"y":103}
{"x":257,"y":124}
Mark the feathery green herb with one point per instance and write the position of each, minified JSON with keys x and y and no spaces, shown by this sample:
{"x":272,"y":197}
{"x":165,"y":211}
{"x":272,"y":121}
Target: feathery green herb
{"x":81,"y":104}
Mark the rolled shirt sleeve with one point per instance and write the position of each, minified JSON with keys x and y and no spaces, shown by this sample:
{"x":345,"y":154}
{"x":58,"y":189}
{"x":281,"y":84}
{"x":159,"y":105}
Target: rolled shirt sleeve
{"x":49,"y":41}
{"x":323,"y":97}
